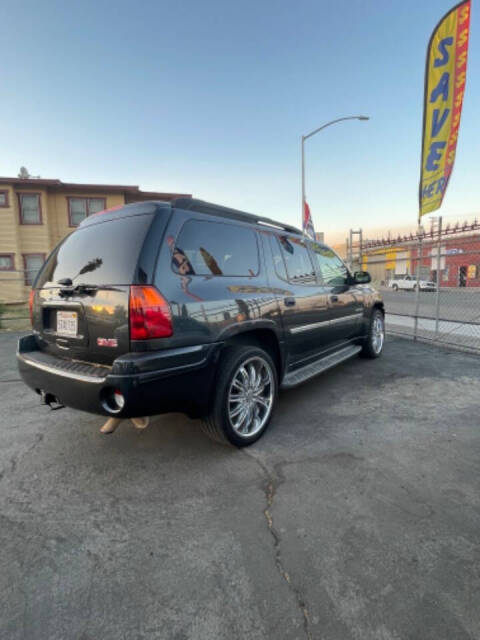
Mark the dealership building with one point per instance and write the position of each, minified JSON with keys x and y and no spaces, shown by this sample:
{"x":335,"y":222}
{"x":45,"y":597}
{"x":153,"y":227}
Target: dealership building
{"x":459,"y":263}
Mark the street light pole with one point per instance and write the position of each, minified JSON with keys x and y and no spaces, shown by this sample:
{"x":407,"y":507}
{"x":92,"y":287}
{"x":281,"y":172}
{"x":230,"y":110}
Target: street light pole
{"x":303,"y":180}
{"x":309,"y":135}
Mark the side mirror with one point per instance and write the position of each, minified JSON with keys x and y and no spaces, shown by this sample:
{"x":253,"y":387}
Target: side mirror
{"x":362,"y":277}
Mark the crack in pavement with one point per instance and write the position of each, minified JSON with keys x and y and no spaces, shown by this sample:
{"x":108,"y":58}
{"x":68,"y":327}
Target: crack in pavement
{"x":21,"y":454}
{"x":272,"y":483}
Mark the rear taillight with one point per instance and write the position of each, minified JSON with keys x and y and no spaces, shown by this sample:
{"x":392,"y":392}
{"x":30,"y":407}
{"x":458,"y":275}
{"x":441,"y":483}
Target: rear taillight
{"x":150,"y":315}
{"x":31,"y":296}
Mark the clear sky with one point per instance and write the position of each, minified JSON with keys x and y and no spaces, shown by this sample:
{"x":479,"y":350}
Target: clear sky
{"x":211,"y":98}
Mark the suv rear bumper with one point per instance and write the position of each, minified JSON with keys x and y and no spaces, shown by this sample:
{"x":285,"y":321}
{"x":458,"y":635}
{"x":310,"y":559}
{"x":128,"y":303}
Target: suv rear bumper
{"x":151,"y":383}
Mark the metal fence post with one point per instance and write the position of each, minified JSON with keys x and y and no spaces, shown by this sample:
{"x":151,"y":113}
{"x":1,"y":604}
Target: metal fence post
{"x":417,"y":286}
{"x":437,"y":293}
{"x":360,"y":255}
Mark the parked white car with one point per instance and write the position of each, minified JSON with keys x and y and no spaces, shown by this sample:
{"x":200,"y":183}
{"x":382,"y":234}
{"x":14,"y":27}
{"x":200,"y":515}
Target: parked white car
{"x":409,"y":283}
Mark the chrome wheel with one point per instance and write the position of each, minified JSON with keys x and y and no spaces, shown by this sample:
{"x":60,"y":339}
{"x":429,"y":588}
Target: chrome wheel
{"x":250,"y":396}
{"x":378,"y":333}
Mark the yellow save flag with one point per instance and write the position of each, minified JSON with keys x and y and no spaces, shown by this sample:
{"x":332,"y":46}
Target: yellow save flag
{"x":445,"y":76}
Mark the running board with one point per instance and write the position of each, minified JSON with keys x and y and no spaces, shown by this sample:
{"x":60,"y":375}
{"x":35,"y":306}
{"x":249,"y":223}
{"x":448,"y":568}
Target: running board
{"x":294,"y":378}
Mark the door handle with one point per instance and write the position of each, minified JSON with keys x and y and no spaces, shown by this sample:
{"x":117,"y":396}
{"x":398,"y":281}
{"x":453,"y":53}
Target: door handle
{"x":289,"y":302}
{"x":333,"y":298}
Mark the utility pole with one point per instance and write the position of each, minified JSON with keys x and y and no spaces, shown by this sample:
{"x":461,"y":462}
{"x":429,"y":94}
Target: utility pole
{"x":309,"y":135}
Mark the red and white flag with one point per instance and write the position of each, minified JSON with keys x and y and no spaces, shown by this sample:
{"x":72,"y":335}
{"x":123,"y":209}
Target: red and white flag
{"x":307,"y":223}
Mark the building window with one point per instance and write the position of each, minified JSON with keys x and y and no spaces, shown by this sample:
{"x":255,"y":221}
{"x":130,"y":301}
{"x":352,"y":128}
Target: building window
{"x":6,"y":262}
{"x":446,"y":274}
{"x":4,"y":199}
{"x":80,"y":208}
{"x":30,"y":208}
{"x":33,"y":263}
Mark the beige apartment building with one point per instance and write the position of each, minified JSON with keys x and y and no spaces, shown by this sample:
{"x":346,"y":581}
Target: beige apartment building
{"x":35,"y":214}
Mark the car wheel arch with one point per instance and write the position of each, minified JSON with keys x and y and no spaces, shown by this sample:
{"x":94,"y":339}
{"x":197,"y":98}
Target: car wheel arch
{"x":264,"y":338}
{"x":379,"y":305}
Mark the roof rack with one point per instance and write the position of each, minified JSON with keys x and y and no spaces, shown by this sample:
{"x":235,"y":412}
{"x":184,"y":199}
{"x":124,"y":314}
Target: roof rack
{"x":191,"y":204}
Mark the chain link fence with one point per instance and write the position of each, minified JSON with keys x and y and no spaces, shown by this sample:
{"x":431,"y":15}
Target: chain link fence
{"x":430,"y":285}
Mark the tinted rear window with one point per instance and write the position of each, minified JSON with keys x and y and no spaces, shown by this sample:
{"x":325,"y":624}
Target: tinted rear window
{"x":105,"y":253}
{"x":214,"y":248}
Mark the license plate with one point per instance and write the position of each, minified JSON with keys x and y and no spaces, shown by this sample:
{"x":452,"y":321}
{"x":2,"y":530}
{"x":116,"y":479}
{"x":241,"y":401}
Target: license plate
{"x":67,"y":323}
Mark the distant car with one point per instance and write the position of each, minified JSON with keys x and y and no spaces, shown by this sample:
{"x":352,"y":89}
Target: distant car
{"x":409,"y":283}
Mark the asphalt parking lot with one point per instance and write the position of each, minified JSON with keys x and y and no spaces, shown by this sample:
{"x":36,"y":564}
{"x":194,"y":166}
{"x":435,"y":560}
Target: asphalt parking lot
{"x":355,"y":517}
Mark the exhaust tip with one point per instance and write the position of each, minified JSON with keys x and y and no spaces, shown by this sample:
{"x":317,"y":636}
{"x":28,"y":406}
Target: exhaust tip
{"x":119,"y":398}
{"x":113,"y":401}
{"x":49,"y":399}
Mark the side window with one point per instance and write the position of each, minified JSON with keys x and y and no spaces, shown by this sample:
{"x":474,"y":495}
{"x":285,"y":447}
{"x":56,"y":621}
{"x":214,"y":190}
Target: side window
{"x":334,"y":273}
{"x":297,"y":260}
{"x":278,"y":262}
{"x":215,"y":249}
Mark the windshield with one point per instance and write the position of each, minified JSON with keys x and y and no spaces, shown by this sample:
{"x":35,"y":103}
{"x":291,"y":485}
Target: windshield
{"x":105,"y":253}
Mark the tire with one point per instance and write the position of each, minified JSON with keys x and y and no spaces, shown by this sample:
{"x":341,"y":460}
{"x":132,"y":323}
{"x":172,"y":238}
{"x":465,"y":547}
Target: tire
{"x":374,"y":342}
{"x":257,"y":407}
{"x":395,"y":287}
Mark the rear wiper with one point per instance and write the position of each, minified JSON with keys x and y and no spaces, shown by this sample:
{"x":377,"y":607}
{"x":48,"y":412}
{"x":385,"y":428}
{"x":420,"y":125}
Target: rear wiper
{"x":78,"y":288}
{"x":82,"y":287}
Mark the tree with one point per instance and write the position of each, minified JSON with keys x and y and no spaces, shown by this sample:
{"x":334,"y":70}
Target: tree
{"x":23,"y":173}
